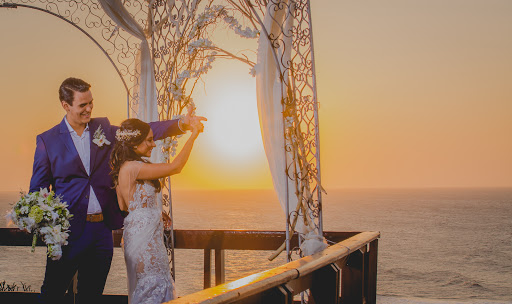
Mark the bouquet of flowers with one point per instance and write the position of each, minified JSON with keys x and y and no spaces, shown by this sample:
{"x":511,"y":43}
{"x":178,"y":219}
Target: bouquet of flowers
{"x":45,"y":214}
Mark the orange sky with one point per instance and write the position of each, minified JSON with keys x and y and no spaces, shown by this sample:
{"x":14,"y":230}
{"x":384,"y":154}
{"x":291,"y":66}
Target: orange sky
{"x":412,"y":94}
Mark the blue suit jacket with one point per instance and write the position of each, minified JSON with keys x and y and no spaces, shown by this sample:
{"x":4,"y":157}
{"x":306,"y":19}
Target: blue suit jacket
{"x":57,"y":164}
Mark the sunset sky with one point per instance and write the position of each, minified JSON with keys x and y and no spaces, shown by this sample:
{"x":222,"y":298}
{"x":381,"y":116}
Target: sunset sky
{"x":412,"y":94}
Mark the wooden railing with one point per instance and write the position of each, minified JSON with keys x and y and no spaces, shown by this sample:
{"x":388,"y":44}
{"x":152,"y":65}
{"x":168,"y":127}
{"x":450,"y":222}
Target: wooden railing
{"x":343,"y":273}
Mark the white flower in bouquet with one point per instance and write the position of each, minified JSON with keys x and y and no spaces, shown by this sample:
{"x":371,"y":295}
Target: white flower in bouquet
{"x":45,"y":214}
{"x":27,"y":223}
{"x":54,"y":235}
{"x":54,"y":250}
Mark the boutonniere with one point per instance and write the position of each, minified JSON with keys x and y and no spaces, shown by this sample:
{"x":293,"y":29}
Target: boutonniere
{"x":99,"y":138}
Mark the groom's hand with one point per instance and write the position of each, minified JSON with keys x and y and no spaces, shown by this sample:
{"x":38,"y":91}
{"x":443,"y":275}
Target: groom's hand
{"x":190,"y":119}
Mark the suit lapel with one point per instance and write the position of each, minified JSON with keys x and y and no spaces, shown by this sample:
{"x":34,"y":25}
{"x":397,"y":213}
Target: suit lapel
{"x":68,"y":142}
{"x":94,"y":147}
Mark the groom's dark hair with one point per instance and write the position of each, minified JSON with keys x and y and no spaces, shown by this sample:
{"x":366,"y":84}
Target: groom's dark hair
{"x":71,"y":85}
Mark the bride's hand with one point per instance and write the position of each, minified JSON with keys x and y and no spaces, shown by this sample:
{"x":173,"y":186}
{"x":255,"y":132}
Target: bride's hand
{"x":197,"y":125}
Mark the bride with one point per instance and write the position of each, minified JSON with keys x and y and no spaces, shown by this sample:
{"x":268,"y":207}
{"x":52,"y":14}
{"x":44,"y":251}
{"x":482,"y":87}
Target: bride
{"x":137,"y":184}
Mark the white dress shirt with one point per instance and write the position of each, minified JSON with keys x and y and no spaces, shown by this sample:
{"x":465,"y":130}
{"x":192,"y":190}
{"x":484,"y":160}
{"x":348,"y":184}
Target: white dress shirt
{"x":83,"y":146}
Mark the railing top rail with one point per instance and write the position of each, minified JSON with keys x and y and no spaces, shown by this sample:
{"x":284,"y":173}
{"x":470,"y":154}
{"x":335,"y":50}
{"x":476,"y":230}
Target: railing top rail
{"x":265,"y":280}
{"x":196,"y":239}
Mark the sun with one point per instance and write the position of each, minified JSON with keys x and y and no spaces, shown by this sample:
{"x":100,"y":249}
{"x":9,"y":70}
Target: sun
{"x":232,"y":131}
{"x":229,"y":154}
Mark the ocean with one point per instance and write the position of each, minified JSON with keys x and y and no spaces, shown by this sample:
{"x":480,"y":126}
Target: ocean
{"x":437,"y":245}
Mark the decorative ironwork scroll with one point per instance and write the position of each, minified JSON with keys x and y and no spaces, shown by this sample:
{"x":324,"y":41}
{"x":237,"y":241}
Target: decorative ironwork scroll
{"x":88,"y":16}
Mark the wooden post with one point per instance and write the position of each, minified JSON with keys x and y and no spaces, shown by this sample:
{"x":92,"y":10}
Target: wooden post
{"x":207,"y":268}
{"x":219,"y":267}
{"x":325,"y":285}
{"x":352,"y":279}
{"x":370,"y":273}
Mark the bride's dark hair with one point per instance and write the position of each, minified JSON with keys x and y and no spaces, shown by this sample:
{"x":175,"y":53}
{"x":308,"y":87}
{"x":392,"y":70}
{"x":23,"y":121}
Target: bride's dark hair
{"x":127,"y":139}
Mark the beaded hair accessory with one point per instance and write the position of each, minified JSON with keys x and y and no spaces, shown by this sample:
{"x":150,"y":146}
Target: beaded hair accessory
{"x":126,"y":135}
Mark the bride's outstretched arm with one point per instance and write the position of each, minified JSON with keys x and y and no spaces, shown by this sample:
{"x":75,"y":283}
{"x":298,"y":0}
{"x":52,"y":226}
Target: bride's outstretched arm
{"x":154,"y":171}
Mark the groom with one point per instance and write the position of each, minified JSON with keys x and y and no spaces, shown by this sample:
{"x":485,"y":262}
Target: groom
{"x":73,"y":159}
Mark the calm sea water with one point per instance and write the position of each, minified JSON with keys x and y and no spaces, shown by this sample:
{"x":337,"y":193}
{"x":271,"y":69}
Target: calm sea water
{"x":436,"y":246}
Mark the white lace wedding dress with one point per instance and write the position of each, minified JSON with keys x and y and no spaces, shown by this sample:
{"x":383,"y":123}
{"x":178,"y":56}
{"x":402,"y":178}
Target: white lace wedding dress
{"x":147,"y":264}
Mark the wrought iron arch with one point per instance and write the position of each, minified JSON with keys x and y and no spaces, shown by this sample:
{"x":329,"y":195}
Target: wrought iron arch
{"x":166,"y":25}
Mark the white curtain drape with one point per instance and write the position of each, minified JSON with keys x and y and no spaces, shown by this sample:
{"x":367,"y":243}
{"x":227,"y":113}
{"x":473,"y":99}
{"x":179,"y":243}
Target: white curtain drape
{"x":144,"y":91}
{"x":270,"y":91}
